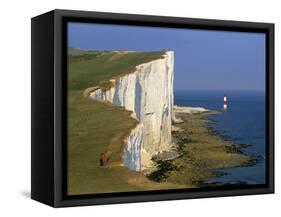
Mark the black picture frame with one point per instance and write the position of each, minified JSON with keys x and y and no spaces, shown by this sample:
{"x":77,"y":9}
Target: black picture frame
{"x":48,"y":148}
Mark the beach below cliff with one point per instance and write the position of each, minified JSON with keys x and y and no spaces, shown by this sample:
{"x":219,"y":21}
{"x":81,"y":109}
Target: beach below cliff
{"x":201,"y":152}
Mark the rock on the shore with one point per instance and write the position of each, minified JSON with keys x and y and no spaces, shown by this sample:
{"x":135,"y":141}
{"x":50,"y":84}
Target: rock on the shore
{"x":189,"y":110}
{"x":165,"y":155}
{"x":176,"y":129}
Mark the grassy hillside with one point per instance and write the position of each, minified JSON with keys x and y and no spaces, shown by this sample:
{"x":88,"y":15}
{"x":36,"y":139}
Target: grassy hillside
{"x":78,"y":52}
{"x":96,"y":68}
{"x":95,"y":127}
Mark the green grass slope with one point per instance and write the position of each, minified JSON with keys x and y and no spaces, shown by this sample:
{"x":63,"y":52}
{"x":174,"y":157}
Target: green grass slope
{"x":78,"y":52}
{"x":95,"y":127}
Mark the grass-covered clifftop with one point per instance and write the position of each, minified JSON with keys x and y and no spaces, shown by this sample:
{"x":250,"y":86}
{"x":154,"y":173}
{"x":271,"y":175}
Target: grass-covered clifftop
{"x":97,"y":68}
{"x":95,"y":127}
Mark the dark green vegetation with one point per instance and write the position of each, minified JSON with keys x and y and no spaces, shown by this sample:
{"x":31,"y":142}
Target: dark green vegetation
{"x":95,"y":127}
{"x":201,"y":152}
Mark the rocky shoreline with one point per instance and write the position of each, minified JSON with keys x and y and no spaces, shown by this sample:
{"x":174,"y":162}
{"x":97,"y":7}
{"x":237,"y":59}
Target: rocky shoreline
{"x":200,"y":151}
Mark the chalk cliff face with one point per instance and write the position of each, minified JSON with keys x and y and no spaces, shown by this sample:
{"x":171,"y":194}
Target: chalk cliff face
{"x":148,"y":93}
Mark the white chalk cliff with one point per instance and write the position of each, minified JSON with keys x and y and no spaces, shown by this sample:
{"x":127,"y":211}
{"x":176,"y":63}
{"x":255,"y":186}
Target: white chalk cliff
{"x":148,"y":93}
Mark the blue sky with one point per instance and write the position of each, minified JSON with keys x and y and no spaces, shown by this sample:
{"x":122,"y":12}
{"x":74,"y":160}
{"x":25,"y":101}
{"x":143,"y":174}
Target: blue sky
{"x":204,"y":59}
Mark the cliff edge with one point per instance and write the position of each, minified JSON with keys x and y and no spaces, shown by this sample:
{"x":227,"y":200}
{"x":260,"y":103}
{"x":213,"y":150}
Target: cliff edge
{"x":148,"y":93}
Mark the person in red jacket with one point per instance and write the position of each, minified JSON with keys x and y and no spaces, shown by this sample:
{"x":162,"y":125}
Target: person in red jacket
{"x":105,"y":157}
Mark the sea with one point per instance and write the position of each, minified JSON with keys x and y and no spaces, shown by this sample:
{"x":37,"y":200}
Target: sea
{"x":242,"y":123}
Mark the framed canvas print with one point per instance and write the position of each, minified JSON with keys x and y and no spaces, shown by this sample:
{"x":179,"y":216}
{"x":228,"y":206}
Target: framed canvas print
{"x":131,"y":108}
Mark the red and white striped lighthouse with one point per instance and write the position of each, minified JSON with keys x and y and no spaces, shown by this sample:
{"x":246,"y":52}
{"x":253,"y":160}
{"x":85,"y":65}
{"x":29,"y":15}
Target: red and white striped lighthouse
{"x":224,"y":102}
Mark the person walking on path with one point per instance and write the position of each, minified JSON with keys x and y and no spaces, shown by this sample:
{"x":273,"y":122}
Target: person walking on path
{"x":105,"y":157}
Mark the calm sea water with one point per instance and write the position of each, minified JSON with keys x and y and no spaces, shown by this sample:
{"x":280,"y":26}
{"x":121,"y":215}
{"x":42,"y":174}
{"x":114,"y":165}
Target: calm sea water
{"x":242,"y":123}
